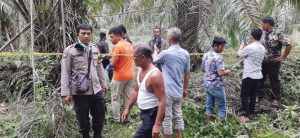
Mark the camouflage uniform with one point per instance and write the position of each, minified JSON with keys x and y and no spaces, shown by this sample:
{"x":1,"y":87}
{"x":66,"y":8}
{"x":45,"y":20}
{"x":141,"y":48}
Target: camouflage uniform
{"x":273,"y":42}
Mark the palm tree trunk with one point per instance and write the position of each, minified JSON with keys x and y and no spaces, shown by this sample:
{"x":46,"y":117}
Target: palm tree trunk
{"x":190,"y":16}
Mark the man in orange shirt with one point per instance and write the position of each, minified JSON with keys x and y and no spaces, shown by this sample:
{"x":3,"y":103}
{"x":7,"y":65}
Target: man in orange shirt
{"x":123,"y":78}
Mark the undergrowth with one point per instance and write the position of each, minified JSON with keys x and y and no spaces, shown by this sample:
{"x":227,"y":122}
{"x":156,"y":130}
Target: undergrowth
{"x":42,"y":114}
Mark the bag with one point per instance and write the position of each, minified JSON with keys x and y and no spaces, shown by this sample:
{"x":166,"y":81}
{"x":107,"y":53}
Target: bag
{"x":80,"y":82}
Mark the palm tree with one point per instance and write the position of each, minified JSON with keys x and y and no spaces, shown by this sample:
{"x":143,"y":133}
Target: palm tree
{"x":48,"y":34}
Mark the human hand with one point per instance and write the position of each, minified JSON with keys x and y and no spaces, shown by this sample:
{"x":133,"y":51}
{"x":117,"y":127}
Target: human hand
{"x":125,"y":115}
{"x":105,"y":90}
{"x":278,"y":59}
{"x":156,"y":50}
{"x":185,"y":94}
{"x":155,"y":131}
{"x":67,"y":99}
{"x":242,"y":44}
{"x":227,"y":72}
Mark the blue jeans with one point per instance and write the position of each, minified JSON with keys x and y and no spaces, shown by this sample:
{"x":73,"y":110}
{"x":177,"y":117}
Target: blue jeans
{"x":216,"y":96}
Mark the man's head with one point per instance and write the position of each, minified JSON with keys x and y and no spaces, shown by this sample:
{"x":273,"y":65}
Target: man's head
{"x":84,"y":33}
{"x":142,"y":54}
{"x":267,"y":23}
{"x":115,"y":35}
{"x":218,"y":44}
{"x":173,"y":35}
{"x":156,"y":32}
{"x":256,"y":34}
{"x":123,"y":30}
{"x":102,"y":36}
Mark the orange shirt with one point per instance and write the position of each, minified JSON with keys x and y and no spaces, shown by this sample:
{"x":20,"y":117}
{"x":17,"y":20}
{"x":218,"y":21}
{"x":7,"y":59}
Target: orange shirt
{"x":124,"y":67}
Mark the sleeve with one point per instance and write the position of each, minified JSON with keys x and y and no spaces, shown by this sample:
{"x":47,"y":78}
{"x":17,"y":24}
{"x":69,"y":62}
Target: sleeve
{"x":203,"y":60}
{"x":116,"y":50}
{"x":220,"y":64}
{"x":243,"y":53}
{"x":188,"y":64}
{"x":283,"y":38}
{"x":65,"y":73}
{"x":101,"y":76}
{"x":160,"y":58}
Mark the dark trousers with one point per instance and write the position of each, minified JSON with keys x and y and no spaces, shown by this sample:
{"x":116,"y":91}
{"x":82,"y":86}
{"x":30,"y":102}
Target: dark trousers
{"x":148,"y":119}
{"x":248,"y":95}
{"x":271,"y":69}
{"x":94,"y":104}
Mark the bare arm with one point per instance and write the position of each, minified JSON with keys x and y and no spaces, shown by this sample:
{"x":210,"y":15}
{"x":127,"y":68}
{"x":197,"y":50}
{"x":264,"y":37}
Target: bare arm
{"x":185,"y":82}
{"x":222,"y":73}
{"x":202,"y":68}
{"x":241,"y":47}
{"x":112,"y":63}
{"x":155,"y":53}
{"x":287,"y":51}
{"x":157,"y":84}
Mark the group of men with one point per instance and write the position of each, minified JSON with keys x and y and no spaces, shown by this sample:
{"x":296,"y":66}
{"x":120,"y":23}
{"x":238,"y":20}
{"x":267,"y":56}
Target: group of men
{"x":157,"y":91}
{"x":260,"y":60}
{"x":162,"y":78}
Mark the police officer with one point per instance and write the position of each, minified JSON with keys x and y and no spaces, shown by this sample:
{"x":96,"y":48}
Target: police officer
{"x":75,"y":60}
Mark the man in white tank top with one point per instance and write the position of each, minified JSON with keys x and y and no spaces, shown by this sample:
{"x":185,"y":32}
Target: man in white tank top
{"x":148,"y":92}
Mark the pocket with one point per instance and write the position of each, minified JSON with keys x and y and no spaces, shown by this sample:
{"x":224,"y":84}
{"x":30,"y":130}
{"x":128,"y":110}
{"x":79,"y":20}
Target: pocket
{"x":79,"y":62}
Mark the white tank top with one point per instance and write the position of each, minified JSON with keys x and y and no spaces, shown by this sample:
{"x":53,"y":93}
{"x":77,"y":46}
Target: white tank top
{"x":146,"y":100}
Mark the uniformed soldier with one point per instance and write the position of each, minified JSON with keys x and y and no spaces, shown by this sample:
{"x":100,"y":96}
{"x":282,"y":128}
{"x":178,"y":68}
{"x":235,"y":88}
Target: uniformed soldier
{"x":75,"y":60}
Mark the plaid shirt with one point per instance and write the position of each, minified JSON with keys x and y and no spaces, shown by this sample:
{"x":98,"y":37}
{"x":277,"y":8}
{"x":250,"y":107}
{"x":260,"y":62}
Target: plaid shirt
{"x":273,"y":42}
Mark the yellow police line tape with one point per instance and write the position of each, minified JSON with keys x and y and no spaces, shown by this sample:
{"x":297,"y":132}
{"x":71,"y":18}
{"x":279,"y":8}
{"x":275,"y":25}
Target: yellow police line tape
{"x":11,"y":54}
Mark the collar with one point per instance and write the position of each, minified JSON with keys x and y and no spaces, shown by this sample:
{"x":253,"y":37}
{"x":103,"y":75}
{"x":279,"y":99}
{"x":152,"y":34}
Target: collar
{"x":175,"y":46}
{"x":255,"y":42}
{"x":80,"y":45}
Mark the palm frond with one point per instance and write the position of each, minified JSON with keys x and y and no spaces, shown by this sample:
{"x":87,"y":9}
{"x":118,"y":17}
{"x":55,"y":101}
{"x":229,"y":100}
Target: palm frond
{"x":295,"y":3}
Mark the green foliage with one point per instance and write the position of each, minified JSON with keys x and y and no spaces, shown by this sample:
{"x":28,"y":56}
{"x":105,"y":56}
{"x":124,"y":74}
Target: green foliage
{"x":295,"y":3}
{"x":7,"y":127}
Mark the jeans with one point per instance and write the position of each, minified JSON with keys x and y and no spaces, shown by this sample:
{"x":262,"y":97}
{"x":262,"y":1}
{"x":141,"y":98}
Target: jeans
{"x":248,"y":95}
{"x":94,"y":104}
{"x":148,"y":117}
{"x":216,"y":96}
